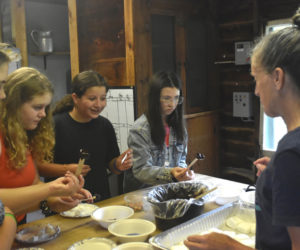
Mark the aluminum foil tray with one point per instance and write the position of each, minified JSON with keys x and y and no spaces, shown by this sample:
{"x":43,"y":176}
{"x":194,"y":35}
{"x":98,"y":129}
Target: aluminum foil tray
{"x":204,"y":222}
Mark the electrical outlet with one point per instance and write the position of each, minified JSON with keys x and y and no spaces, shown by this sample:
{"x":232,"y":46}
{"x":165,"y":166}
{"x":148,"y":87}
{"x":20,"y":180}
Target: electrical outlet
{"x":242,"y":104}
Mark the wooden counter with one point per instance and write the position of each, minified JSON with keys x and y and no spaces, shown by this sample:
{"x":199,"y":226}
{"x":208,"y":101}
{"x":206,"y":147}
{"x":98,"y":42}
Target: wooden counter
{"x":76,"y":229}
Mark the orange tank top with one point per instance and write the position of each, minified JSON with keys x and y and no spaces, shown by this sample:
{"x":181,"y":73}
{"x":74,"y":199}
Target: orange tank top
{"x":14,"y":178}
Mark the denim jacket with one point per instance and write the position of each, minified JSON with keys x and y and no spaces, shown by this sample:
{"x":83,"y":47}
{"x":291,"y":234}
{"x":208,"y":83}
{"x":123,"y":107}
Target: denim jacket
{"x":149,"y":165}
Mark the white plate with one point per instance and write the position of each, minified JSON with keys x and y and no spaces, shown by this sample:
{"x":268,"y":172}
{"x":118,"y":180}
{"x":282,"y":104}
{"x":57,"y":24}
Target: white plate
{"x":80,"y":211}
{"x":93,"y":244}
{"x":248,"y":198}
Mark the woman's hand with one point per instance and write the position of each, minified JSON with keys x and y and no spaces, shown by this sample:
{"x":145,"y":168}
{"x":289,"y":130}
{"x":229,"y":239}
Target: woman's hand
{"x":72,"y":168}
{"x":213,"y":241}
{"x":124,"y":161}
{"x":261,"y":164}
{"x":182,"y":174}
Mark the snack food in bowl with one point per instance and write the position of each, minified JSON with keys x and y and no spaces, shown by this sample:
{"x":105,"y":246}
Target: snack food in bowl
{"x":110,"y":214}
{"x":129,"y":230}
{"x":134,"y":201}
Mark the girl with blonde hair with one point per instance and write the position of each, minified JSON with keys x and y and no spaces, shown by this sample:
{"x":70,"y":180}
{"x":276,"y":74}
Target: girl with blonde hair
{"x":26,"y":136}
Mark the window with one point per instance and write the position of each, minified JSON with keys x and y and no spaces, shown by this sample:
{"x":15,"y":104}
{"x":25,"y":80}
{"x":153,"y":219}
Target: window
{"x":272,"y":129}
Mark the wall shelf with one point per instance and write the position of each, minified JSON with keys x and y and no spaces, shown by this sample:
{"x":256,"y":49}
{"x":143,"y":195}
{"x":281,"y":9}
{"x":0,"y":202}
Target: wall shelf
{"x":239,"y":142}
{"x":237,"y":83}
{"x":45,"y":54}
{"x":236,"y":39}
{"x":225,"y":62}
{"x":237,"y":129}
{"x":50,"y":53}
{"x":236,"y":24}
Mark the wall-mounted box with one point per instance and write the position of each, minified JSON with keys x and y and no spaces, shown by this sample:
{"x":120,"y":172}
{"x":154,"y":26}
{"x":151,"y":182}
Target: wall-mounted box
{"x":242,"y":104}
{"x":242,"y":52}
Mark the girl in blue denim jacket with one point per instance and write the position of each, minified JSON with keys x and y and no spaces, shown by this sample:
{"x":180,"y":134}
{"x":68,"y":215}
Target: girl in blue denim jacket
{"x":158,"y":138}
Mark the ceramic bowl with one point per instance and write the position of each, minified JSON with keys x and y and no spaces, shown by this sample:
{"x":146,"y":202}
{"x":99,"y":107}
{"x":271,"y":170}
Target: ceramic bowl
{"x":130,"y":230}
{"x":110,"y":214}
{"x":134,"y":246}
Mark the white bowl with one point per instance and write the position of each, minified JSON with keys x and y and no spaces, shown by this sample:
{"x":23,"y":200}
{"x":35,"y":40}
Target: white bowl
{"x":129,"y":230}
{"x":93,"y":243}
{"x":227,"y":194}
{"x":134,"y":246}
{"x":110,"y":214}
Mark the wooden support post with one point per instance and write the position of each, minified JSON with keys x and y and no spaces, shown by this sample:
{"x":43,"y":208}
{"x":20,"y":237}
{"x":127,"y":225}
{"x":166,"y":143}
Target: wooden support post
{"x":138,"y":48}
{"x":73,"y":33}
{"x":129,"y":42}
{"x":19,"y":28}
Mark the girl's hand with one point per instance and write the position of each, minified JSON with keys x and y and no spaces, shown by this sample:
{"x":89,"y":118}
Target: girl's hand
{"x":182,"y":174}
{"x":124,"y":161}
{"x":83,"y":194}
{"x":61,"y":204}
{"x":64,"y":186}
{"x":72,"y":168}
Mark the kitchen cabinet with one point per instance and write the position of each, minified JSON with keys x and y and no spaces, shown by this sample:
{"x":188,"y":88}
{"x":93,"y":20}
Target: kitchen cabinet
{"x":203,"y":131}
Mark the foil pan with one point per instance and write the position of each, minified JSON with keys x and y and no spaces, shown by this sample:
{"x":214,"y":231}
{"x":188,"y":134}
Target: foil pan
{"x":204,"y":222}
{"x":37,"y":234}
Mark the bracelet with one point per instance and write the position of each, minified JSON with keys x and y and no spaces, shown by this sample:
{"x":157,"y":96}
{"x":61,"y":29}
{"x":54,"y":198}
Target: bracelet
{"x":13,"y":216}
{"x":174,"y":179}
{"x":115,"y":167}
{"x":45,"y":208}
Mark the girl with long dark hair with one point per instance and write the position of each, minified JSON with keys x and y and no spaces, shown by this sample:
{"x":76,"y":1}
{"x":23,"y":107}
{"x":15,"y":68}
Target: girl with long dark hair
{"x":158,"y":138}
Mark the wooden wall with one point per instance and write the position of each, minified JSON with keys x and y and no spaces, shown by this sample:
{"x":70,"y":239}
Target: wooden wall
{"x":241,"y":20}
{"x":101,"y":39}
{"x":202,"y":127}
{"x":114,"y":38}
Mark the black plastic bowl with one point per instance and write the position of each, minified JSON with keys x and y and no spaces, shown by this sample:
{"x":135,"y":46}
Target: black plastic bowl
{"x":193,"y":211}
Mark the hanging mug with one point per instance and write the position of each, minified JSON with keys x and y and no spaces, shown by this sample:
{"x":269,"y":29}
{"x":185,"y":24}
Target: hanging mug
{"x":43,"y":40}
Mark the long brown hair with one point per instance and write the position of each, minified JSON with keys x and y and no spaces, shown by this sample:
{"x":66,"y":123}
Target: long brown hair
{"x":22,"y":86}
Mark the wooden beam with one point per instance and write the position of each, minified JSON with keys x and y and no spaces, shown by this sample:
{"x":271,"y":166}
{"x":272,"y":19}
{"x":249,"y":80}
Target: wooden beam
{"x":73,"y":33}
{"x":180,"y":48}
{"x":19,"y":28}
{"x":142,"y":50}
{"x":129,"y":42}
